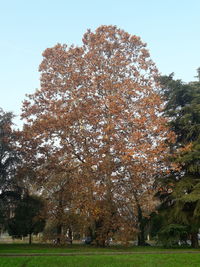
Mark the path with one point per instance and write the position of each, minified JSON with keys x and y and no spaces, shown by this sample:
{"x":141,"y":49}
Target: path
{"x":96,"y":253}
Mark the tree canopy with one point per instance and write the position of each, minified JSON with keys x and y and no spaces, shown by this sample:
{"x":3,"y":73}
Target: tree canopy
{"x":10,"y":190}
{"x":95,"y":124}
{"x":180,"y":190}
{"x":28,"y":218}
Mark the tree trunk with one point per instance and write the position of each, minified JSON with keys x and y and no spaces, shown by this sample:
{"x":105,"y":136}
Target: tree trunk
{"x":141,"y":225}
{"x":30,"y":239}
{"x":59,"y":232}
{"x":194,"y":240}
{"x":141,"y":234}
{"x":59,"y":217}
{"x":70,"y":235}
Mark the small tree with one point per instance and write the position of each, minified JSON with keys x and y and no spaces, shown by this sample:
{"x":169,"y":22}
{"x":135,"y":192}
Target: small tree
{"x":27,"y":218}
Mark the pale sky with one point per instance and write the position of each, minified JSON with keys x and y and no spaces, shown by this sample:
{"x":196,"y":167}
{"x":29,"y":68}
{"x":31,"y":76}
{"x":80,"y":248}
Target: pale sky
{"x":171,"y":29}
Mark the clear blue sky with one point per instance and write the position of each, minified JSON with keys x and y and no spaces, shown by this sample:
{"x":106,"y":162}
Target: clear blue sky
{"x":171,"y":29}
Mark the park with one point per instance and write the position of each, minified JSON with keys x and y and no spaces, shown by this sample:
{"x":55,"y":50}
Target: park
{"x":103,"y":167}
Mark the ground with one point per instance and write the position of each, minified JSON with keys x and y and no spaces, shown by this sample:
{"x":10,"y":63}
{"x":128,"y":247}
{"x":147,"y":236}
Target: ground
{"x":38,"y":255}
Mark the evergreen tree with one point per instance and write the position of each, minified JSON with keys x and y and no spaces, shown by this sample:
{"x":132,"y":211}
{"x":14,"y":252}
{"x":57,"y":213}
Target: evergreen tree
{"x":27,"y":218}
{"x":10,"y":192}
{"x":180,"y":190}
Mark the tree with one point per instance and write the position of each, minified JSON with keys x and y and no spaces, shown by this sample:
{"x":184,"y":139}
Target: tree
{"x":27,"y":218}
{"x":180,"y":190}
{"x":8,"y":152}
{"x":58,"y":193}
{"x":10,"y":191}
{"x":97,"y":116}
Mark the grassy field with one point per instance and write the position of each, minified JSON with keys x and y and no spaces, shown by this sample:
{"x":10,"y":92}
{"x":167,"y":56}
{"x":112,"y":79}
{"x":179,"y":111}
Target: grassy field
{"x":76,"y":248}
{"x":155,"y":259}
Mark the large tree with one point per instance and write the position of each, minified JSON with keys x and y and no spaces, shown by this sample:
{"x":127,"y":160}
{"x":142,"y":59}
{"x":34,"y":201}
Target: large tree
{"x":180,"y":190}
{"x":96,"y":124}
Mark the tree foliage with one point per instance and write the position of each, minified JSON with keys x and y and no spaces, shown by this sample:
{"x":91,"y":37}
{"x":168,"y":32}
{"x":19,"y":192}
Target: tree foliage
{"x":28,"y":218}
{"x":10,"y":190}
{"x":8,"y":152}
{"x":180,"y":190}
{"x":95,"y":129}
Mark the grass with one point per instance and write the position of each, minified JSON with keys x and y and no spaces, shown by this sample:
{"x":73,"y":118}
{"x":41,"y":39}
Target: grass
{"x":47,"y":248}
{"x":155,"y":260}
{"x":133,"y":260}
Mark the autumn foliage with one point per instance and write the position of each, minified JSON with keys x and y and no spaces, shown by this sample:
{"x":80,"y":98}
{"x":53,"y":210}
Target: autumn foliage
{"x":94,"y":133}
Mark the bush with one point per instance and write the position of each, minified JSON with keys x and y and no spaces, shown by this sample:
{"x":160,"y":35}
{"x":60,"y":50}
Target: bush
{"x":173,"y":235}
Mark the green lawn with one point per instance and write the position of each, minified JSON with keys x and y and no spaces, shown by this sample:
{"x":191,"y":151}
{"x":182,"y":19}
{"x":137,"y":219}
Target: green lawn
{"x":133,"y":260}
{"x":155,"y":260}
{"x":45,"y":248}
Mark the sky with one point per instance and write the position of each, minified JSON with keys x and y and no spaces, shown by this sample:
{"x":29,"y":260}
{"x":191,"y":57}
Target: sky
{"x":171,"y":29}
